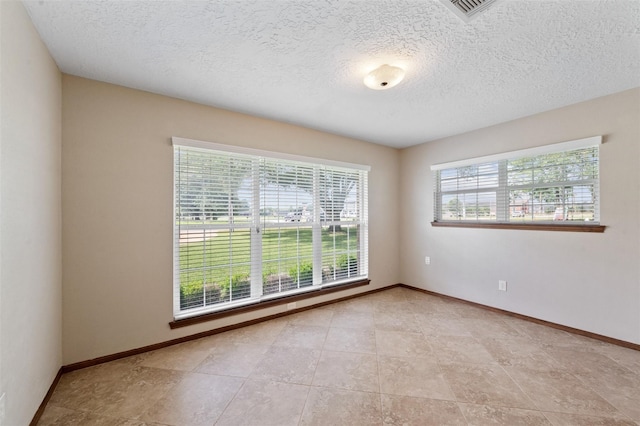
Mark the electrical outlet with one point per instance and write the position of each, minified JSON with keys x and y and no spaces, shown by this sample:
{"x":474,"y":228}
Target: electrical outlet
{"x":427,"y":260}
{"x":291,"y":306}
{"x":502,"y":285}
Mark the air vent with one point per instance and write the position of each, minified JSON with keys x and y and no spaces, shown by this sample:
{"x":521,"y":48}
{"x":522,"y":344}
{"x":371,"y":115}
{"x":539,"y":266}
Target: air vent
{"x":468,"y":9}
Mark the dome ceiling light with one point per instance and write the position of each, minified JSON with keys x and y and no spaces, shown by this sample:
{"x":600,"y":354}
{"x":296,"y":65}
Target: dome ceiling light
{"x":384,"y":77}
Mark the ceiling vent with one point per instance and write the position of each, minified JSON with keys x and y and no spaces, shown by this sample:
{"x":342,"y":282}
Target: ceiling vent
{"x":468,"y":9}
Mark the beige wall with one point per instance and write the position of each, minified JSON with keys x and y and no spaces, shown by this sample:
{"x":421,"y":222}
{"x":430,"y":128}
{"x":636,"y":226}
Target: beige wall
{"x":30,"y":224}
{"x":582,"y":280}
{"x":117,"y":203}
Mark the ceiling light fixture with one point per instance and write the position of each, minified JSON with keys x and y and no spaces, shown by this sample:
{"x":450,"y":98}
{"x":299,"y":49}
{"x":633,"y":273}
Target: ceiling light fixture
{"x":384,"y":77}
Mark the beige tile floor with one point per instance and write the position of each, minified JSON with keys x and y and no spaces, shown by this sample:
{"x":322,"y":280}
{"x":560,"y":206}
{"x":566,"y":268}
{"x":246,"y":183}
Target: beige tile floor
{"x":397,"y":357}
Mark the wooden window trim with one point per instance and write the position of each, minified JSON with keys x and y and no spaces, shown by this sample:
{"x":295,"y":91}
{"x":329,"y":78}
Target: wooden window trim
{"x":267,"y":303}
{"x":522,"y":226}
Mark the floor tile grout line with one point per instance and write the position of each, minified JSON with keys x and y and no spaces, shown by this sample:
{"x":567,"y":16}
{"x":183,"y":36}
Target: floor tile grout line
{"x":462,"y":412}
{"x":604,"y":397}
{"x":582,"y":380}
{"x":182,"y":378}
{"x":520,"y":387}
{"x":244,"y":382}
{"x":526,"y":394}
{"x":379,"y":382}
{"x":304,"y":406}
{"x":594,"y":416}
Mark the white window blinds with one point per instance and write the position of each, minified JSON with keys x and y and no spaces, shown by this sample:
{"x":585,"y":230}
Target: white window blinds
{"x":551,"y":184}
{"x":250,"y":225}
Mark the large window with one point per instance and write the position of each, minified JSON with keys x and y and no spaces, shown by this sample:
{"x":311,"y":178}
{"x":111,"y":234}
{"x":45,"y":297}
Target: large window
{"x":555,"y":184}
{"x":252,"y":225}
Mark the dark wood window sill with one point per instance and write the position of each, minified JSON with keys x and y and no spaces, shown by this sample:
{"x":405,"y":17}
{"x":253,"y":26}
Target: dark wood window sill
{"x":523,"y":226}
{"x":267,"y":304}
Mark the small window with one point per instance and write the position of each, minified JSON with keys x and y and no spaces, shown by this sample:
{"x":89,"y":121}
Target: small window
{"x":252,"y":225}
{"x":553,"y":184}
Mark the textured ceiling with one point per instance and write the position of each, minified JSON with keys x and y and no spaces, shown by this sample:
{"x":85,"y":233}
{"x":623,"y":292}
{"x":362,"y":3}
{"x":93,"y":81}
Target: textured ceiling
{"x":303,"y":62}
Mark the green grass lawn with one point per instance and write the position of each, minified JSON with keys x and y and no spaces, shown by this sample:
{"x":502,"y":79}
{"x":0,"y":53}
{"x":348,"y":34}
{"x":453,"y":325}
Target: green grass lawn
{"x":283,"y":251}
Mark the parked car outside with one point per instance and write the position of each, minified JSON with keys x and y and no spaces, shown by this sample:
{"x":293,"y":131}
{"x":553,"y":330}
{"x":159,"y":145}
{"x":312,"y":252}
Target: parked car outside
{"x":303,"y":215}
{"x":559,"y":214}
{"x":298,"y":216}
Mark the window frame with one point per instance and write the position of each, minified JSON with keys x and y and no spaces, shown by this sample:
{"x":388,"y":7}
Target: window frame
{"x":503,"y":216}
{"x":257,"y":299}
